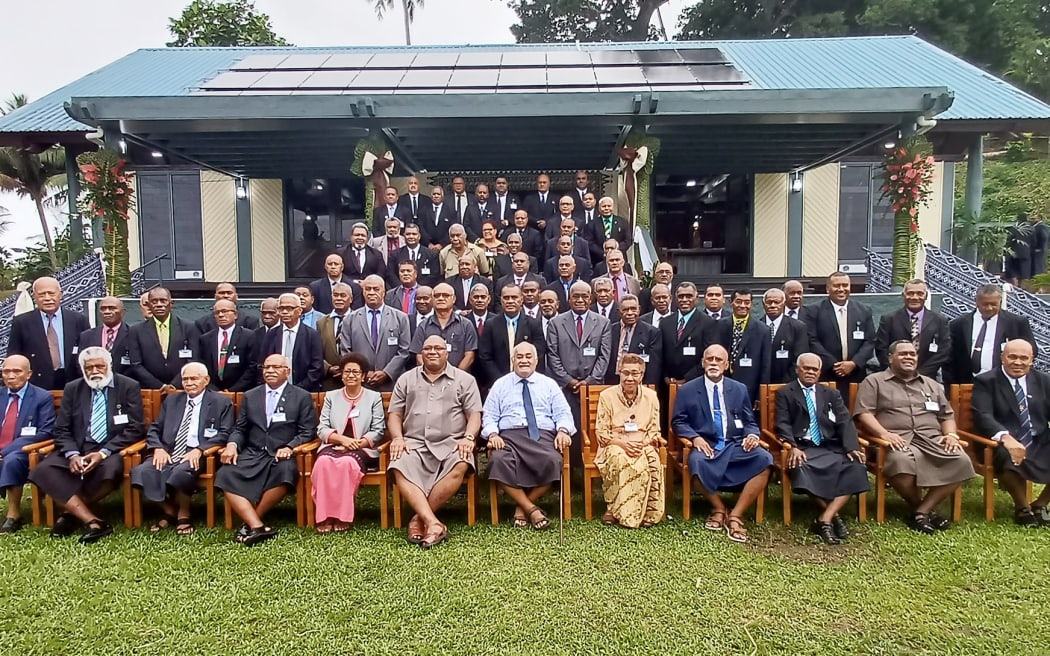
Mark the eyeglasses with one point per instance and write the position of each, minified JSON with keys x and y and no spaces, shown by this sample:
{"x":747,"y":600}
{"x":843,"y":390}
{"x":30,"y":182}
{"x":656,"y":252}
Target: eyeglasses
{"x":353,"y":372}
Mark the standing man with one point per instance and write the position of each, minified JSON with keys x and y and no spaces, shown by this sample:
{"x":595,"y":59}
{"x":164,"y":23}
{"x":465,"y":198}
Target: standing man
{"x":519,"y":274}
{"x":390,"y":210}
{"x":161,"y":345}
{"x":586,"y":214}
{"x":330,"y":327}
{"x":604,"y":304}
{"x":478,"y":211}
{"x":225,"y":291}
{"x":458,"y":200}
{"x":623,"y":283}
{"x":455,"y":330}
{"x":403,"y":296}
{"x":390,"y":242}
{"x":793,"y":297}
{"x":532,"y":241}
{"x":230,"y":353}
{"x":112,"y":335}
{"x":360,"y":259}
{"x":467,"y":279}
{"x":48,"y":337}
{"x":714,"y":302}
{"x":298,"y":343}
{"x":541,"y":206}
{"x":380,"y":333}
{"x":748,"y":344}
{"x":426,"y":261}
{"x":450,"y":256}
{"x":629,"y":335}
{"x":322,"y":288}
{"x":663,"y":274}
{"x":411,"y":202}
{"x":685,"y":335}
{"x":507,"y":203}
{"x":530,"y":294}
{"x":789,"y":339}
{"x":554,"y":224}
{"x":842,"y":333}
{"x":578,"y":247}
{"x":923,"y":327}
{"x":29,"y":417}
{"x":660,"y":302}
{"x":552,"y":268}
{"x":609,"y":226}
{"x":436,"y":220}
{"x":506,"y":331}
{"x":310,"y":315}
{"x":267,"y":317}
{"x":977,"y":339}
{"x":579,"y":194}
{"x":424,"y":308}
{"x":548,"y":305}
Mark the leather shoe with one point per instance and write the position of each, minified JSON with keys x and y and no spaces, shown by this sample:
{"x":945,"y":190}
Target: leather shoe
{"x":939,"y":522}
{"x":825,"y":531}
{"x":11,"y":525}
{"x":258,"y":535}
{"x":96,"y":530}
{"x":921,"y":522}
{"x":839,"y":524}
{"x":64,"y":526}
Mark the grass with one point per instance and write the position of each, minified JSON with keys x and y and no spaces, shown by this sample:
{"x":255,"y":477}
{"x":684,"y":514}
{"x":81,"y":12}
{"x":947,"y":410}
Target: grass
{"x":676,"y":589}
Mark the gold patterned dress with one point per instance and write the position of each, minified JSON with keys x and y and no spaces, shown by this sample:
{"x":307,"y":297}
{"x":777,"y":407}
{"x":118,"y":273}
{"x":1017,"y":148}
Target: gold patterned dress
{"x":633,"y":487}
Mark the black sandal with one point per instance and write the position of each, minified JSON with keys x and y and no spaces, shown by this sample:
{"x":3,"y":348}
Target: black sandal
{"x":165,"y":522}
{"x":921,"y":522}
{"x":184,"y":527}
{"x":259,"y":535}
{"x":939,"y":522}
{"x":1025,"y":517}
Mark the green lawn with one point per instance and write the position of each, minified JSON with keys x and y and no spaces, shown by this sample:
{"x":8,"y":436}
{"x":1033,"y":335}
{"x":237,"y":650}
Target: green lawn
{"x":675,"y":589}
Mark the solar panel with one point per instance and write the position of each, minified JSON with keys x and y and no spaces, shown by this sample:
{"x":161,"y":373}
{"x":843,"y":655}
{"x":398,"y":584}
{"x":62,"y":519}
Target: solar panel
{"x":614,"y":57}
{"x":659,"y":75}
{"x":568,"y":58}
{"x":259,"y":63}
{"x":575,"y":77}
{"x":702,"y":56}
{"x":619,"y":76}
{"x":281,"y":80}
{"x":721,"y":74}
{"x":304,"y":61}
{"x":233,"y":80}
{"x":435,"y":60}
{"x":392,"y":60}
{"x":329,"y":80}
{"x":474,"y":77}
{"x":378,"y":79}
{"x":479,"y":59}
{"x":426,"y":78}
{"x":348,"y":60}
{"x":658,"y":57}
{"x":523,"y":77}
{"x":524,"y":58}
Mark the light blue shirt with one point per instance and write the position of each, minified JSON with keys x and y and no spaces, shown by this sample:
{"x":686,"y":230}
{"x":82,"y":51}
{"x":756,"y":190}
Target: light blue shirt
{"x":684,"y":318}
{"x":505,"y":408}
{"x":310,"y":318}
{"x":57,"y":325}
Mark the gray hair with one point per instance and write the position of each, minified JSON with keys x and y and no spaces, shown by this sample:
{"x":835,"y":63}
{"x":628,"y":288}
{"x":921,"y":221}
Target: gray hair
{"x":798,"y":360}
{"x":990,"y":290}
{"x":606,"y":198}
{"x":375,"y":279}
{"x":773,"y":292}
{"x":482,"y":286}
{"x":602,"y":282}
{"x":190,"y":366}
{"x":579,"y":285}
{"x":342,"y":286}
{"x":94,"y":353}
{"x":359,"y":224}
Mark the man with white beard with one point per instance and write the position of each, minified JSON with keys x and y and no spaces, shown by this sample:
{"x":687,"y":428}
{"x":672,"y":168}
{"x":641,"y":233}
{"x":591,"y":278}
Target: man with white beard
{"x":101,"y":414}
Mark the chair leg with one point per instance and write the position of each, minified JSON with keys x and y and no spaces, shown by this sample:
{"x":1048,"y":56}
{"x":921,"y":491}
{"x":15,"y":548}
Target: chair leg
{"x":880,"y":486}
{"x":397,"y":507}
{"x":989,"y":486}
{"x":384,"y":504}
{"x":49,"y":508}
{"x":129,"y":502}
{"x":494,"y":502}
{"x":588,"y":490}
{"x":136,"y":507}
{"x":785,"y":489}
{"x":472,"y":494}
{"x":862,"y":507}
{"x":36,"y":505}
{"x":566,"y":500}
{"x":209,"y":502}
{"x":687,"y":494}
{"x":957,"y":504}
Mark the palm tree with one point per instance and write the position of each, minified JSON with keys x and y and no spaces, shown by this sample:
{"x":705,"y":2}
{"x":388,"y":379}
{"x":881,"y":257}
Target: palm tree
{"x":30,"y":173}
{"x":408,"y":6}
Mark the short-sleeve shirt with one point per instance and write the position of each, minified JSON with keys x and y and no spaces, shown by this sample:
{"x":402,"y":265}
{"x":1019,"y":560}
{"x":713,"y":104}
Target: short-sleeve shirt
{"x":435,"y":411}
{"x":459,"y":332}
{"x":900,"y":405}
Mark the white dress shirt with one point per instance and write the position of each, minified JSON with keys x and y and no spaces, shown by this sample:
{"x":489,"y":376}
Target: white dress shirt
{"x":710,"y":387}
{"x":988,"y":346}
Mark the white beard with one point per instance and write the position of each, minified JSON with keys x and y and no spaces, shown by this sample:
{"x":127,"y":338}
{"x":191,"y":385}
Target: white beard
{"x":99,"y":382}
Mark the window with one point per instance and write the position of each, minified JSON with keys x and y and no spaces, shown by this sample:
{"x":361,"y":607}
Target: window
{"x":865,"y":215}
{"x":320,"y":215}
{"x":169,"y":207}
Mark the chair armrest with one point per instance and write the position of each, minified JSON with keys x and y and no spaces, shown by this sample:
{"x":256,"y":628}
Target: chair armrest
{"x":684,"y":443}
{"x":307,"y":447}
{"x":769,"y":439}
{"x":875,"y":441}
{"x":384,"y":447}
{"x":976,"y":440}
{"x":134,"y":449}
{"x":36,"y":446}
{"x":45,"y":450}
{"x":211,"y":451}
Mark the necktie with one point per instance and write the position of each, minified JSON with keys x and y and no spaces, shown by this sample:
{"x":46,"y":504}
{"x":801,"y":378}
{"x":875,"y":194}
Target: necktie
{"x":814,"y":428}
{"x":738,"y":334}
{"x":7,"y":432}
{"x":502,"y":200}
{"x":375,"y":327}
{"x":1025,"y":437}
{"x":543,"y":199}
{"x":111,"y":336}
{"x":99,"y":425}
{"x":624,"y":347}
{"x":289,"y":347}
{"x":772,"y":330}
{"x":843,"y":333}
{"x":223,"y":348}
{"x":579,"y":328}
{"x":512,"y":329}
{"x":52,"y":343}
{"x":459,"y":209}
{"x":163,"y":337}
{"x":481,"y":325}
{"x":338,"y":321}
{"x":588,"y":219}
{"x":390,"y":209}
{"x":183,"y":435}
{"x":716,"y":410}
{"x":604,"y":313}
{"x":271,"y":404}
{"x":915,"y":330}
{"x":793,"y":314}
{"x":413,"y":199}
{"x":530,"y":411}
{"x":361,"y":260}
{"x":975,"y":357}
{"x":681,"y":326}
{"x":406,"y":301}
{"x":517,"y":282}
{"x":437,"y":214}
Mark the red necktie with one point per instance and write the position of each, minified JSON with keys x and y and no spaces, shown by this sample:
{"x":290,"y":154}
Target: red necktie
{"x":406,"y":297}
{"x":222,"y":353}
{"x":579,"y":328}
{"x":681,"y":327}
{"x":111,"y":336}
{"x":481,"y":325}
{"x":7,"y":433}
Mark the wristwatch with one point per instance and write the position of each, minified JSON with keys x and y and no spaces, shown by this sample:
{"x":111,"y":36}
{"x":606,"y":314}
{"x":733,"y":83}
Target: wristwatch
{"x":469,"y":437}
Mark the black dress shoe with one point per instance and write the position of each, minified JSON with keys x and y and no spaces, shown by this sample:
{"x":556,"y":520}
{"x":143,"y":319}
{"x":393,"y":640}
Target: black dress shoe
{"x":1022,"y":517}
{"x":11,"y":525}
{"x":921,"y":522}
{"x":64,"y":526}
{"x":96,"y":530}
{"x":939,"y":522}
{"x":839,"y":524}
{"x":825,"y":531}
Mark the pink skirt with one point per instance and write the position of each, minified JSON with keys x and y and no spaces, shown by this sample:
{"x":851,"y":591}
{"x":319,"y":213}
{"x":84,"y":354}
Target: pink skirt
{"x":336,"y":477}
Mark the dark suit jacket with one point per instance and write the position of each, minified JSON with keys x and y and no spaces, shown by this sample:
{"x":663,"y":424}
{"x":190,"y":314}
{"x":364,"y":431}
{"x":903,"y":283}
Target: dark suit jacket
{"x":462,"y":302}
{"x":601,"y":269}
{"x":995,"y":405}
{"x":692,"y":416}
{"x":432,"y":233}
{"x":255,"y":439}
{"x":37,"y":410}
{"x":426,"y":260}
{"x":380,"y":214}
{"x":934,"y":330}
{"x":612,"y":313}
{"x":502,"y":266}
{"x":307,"y":355}
{"x":793,"y":337}
{"x":823,"y":328}
{"x":474,"y":216}
{"x":121,"y":353}
{"x":72,"y":427}
{"x":541,"y":211}
{"x":792,"y":417}
{"x":404,"y":201}
{"x":754,"y":344}
{"x":1009,"y":326}
{"x":559,"y":288}
{"x":503,"y":281}
{"x":532,"y":242}
{"x":494,"y":351}
{"x":148,"y":364}
{"x":374,"y":264}
{"x":699,"y":333}
{"x":216,"y":414}
{"x":583,"y":269}
{"x":322,"y":291}
{"x":645,"y":341}
{"x":207,"y":322}
{"x":510,"y":205}
{"x":581,"y":248}
{"x":596,"y":235}
{"x":238,"y":376}
{"x":28,"y":338}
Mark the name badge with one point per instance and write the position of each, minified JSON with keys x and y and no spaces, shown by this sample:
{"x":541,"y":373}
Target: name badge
{"x":858,"y":334}
{"x":630,"y":427}
{"x":782,"y":354}
{"x":125,"y":360}
{"x":391,"y":341}
{"x":120,"y":420}
{"x":932,"y":406}
{"x":28,"y":431}
{"x":185,"y":354}
{"x":490,"y":254}
{"x":738,"y":423}
{"x":1002,"y":347}
{"x":210,"y":432}
{"x":689,"y":350}
{"x":425,"y":271}
{"x":354,"y":414}
{"x":278,"y":416}
{"x":513,"y":205}
{"x":233,"y":359}
{"x":933,"y":347}
{"x":76,"y":349}
{"x":589,"y":352}
{"x":644,"y":357}
{"x":745,"y":362}
{"x":831,"y":415}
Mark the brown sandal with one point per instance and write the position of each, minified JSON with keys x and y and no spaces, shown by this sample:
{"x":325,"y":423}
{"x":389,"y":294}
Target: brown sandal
{"x":609,"y":520}
{"x":716,"y":521}
{"x":735,"y":530}
{"x":416,"y":530}
{"x":435,"y":536}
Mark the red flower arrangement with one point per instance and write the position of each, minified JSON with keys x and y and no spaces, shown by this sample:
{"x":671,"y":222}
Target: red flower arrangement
{"x":107,"y":197}
{"x":907,"y":182}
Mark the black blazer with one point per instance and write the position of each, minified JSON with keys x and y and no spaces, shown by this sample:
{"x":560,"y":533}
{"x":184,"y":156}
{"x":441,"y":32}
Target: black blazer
{"x":934,"y":330}
{"x":698,"y":333}
{"x":239,"y":376}
{"x":380,"y":215}
{"x":474,"y":216}
{"x":73,"y":425}
{"x":503,"y":281}
{"x":502,"y":267}
{"x":28,"y":338}
{"x":583,"y":269}
{"x":558,"y":288}
{"x":462,"y":302}
{"x":1009,"y":326}
{"x":255,"y":439}
{"x":216,"y":414}
{"x":824,"y":338}
{"x":404,"y":201}
{"x":754,"y":345}
{"x":645,"y":341}
{"x":207,"y":322}
{"x":307,"y":355}
{"x":532,"y":241}
{"x":995,"y":405}
{"x":374,"y":264}
{"x":601,"y":269}
{"x":494,"y":351}
{"x":612,"y":313}
{"x":580,"y":248}
{"x":541,"y":211}
{"x":120,"y":352}
{"x":791,"y":337}
{"x":426,"y":260}
{"x":322,"y":291}
{"x":792,"y":418}
{"x":436,"y":233}
{"x":511,"y":204}
{"x":596,"y":235}
{"x":148,"y":364}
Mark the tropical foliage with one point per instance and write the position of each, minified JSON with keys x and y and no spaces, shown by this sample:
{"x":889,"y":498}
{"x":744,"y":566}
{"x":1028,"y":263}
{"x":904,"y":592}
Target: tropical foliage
{"x":107,"y":196}
{"x":408,"y":11}
{"x":907,"y":183}
{"x":222,"y":23}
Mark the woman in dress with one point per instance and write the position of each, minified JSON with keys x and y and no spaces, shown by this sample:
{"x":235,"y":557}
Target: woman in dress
{"x":490,"y":243}
{"x":351,"y":428}
{"x":628,"y":431}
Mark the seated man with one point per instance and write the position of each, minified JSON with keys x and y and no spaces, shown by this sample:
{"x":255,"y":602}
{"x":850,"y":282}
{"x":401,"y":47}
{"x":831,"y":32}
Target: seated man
{"x":101,"y":414}
{"x":432,"y":428}
{"x":189,"y":424}
{"x":909,"y":411}
{"x":29,"y":418}
{"x":715,"y":413}
{"x":529,"y":426}
{"x":259,"y":469}
{"x":1011,"y":405}
{"x":825,"y":459}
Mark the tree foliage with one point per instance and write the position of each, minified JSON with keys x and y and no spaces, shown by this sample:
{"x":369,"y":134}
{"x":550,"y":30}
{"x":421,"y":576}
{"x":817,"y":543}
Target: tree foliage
{"x":551,"y":21}
{"x":408,"y":11}
{"x":222,"y":23}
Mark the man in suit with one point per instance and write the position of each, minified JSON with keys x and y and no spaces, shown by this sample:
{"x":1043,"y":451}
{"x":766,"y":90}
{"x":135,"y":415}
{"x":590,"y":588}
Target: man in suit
{"x":747,"y":342}
{"x":436,"y":220}
{"x":581,"y":265}
{"x":579,"y":345}
{"x":310,"y":316}
{"x":602,"y":267}
{"x":267,"y":316}
{"x":160,"y":345}
{"x":1011,"y":406}
{"x":298,"y":343}
{"x":714,"y":412}
{"x":541,"y":206}
{"x":29,"y":417}
{"x":586,"y":214}
{"x":112,"y":335}
{"x":518,"y":275}
{"x":230,"y":353}
{"x":322,"y":287}
{"x":579,"y":193}
{"x":455,"y":330}
{"x":825,"y":460}
{"x":579,"y":246}
{"x":411,"y":202}
{"x":925,"y":328}
{"x":259,"y":468}
{"x":714,"y":303}
{"x":660,"y":301}
{"x":391,"y":209}
{"x":663,"y":274}
{"x":507,"y":330}
{"x":427,"y":264}
{"x":530,"y":294}
{"x":478,"y":211}
{"x":329,"y":328}
{"x":532,"y":241}
{"x":789,"y":339}
{"x":403,"y":296}
{"x":424,"y":308}
{"x":548,"y":306}
{"x":685,"y":335}
{"x":623,"y":284}
{"x":389,"y":243}
{"x":629,"y":335}
{"x":480,"y":317}
{"x":507,"y":203}
{"x":794,"y":294}
{"x":224,"y":291}
{"x":189,"y":424}
{"x":842,"y":333}
{"x":48,"y":336}
{"x":360,"y":259}
{"x":562,"y":281}
{"x":502,"y":262}
{"x":458,"y":199}
{"x":554,"y":224}
{"x":978,"y":338}
{"x":463,"y":283}
{"x":381,"y":334}
{"x":100,"y":415}
{"x":608,"y":226}
{"x":604,"y":303}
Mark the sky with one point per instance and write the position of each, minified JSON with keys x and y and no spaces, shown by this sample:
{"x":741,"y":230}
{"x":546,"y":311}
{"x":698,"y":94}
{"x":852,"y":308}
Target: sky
{"x":102,"y":31}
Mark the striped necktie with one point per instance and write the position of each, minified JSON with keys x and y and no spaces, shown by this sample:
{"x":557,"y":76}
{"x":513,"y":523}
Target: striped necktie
{"x":1025,"y":437}
{"x":182,"y":437}
{"x":814,"y":428}
{"x":99,"y":425}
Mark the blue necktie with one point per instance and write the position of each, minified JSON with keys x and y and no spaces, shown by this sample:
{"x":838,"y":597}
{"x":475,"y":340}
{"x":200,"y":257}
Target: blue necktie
{"x":375,"y":328}
{"x":530,"y":411}
{"x":717,"y":411}
{"x":99,"y":424}
{"x":1025,"y":437}
{"x":814,"y":429}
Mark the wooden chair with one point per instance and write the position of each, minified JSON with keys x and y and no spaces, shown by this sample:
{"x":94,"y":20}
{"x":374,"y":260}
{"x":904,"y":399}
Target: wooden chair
{"x":566,"y":505}
{"x":767,"y":416}
{"x":588,"y":417}
{"x":36,"y":503}
{"x":133,"y":456}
